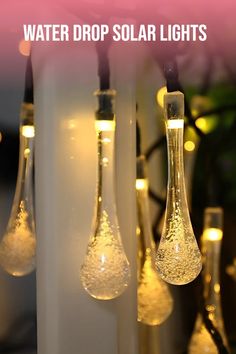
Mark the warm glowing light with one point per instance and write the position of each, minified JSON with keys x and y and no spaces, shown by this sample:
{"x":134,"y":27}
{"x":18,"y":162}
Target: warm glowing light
{"x":71,"y":125}
{"x":24,"y":47}
{"x":231,"y":269}
{"x":178,"y":259}
{"x":175,"y":123}
{"x":217,"y":288}
{"x":154,"y":300}
{"x":26,"y":152}
{"x":28,"y":131}
{"x":208,"y":278}
{"x":106,"y":140}
{"x":189,"y":146}
{"x":105,"y":272}
{"x":160,"y":96}
{"x":105,"y":161}
{"x":105,"y":125}
{"x":206,"y":125}
{"x":141,"y":183}
{"x":18,"y":246}
{"x":0,"y":137}
{"x":201,"y":340}
{"x":212,"y":234}
{"x":201,"y":123}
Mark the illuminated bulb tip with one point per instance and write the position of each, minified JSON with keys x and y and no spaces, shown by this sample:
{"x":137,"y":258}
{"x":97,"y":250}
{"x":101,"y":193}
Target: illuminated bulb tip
{"x":212,"y":234}
{"x":201,"y":340}
{"x":178,"y":258}
{"x":17,"y":253}
{"x":28,"y":131}
{"x":178,"y":264}
{"x":189,"y":146}
{"x":154,"y":300}
{"x":141,"y":184}
{"x":105,"y":272}
{"x":18,"y":247}
{"x":105,"y":125}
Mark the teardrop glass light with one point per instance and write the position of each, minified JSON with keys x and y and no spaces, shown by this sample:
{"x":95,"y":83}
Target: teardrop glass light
{"x":105,"y":271}
{"x":178,"y":257}
{"x":155,"y":302}
{"x":18,"y":245}
{"x":201,"y":341}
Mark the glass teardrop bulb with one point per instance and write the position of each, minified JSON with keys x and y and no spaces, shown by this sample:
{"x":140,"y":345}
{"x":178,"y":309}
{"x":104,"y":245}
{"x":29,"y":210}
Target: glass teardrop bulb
{"x":178,"y":257}
{"x":18,"y":245}
{"x":105,"y":271}
{"x":155,"y":303}
{"x":201,"y":341}
{"x":17,"y":249}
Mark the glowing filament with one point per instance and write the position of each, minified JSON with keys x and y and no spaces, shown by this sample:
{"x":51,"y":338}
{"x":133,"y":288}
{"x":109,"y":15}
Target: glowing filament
{"x":28,"y":131}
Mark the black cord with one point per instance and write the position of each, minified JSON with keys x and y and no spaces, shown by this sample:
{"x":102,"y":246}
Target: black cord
{"x":172,"y":76}
{"x":153,"y":195}
{"x":213,"y":331}
{"x":138,"y":139}
{"x":102,"y":49}
{"x":29,"y":87}
{"x":157,"y":144}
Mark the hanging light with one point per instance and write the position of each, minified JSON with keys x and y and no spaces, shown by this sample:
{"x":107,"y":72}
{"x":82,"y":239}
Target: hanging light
{"x":17,"y":248}
{"x":18,"y":245}
{"x":105,"y":272}
{"x":201,"y":341}
{"x":155,"y":302}
{"x":178,"y":257}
